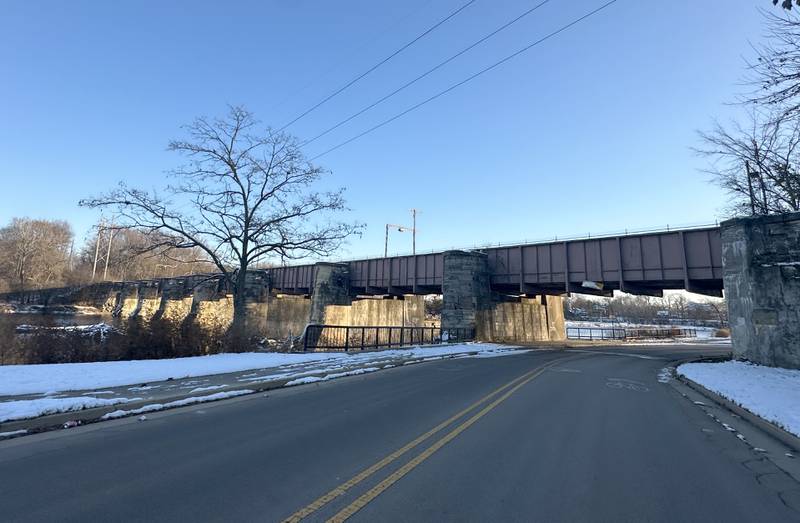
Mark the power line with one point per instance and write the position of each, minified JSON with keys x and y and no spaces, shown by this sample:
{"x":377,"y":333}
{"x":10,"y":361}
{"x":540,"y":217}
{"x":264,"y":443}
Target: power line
{"x":468,"y":79}
{"x":373,"y":38}
{"x":365,"y":73}
{"x":429,"y":71}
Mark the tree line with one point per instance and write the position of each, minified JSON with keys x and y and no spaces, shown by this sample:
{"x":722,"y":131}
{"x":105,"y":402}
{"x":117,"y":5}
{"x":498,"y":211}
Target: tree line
{"x":646,"y":309}
{"x":37,"y":254}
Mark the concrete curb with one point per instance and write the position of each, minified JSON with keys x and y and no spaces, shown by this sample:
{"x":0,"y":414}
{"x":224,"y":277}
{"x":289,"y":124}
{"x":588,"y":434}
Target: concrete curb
{"x":94,"y":415}
{"x":786,"y":438}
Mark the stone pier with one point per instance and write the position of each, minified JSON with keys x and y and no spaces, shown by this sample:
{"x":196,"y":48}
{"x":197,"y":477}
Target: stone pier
{"x":465,"y":291}
{"x":761,"y":259}
{"x":331,"y":287}
{"x":469,"y":305}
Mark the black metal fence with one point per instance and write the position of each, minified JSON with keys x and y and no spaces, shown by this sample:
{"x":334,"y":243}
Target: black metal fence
{"x":351,"y":338}
{"x":624,"y":333}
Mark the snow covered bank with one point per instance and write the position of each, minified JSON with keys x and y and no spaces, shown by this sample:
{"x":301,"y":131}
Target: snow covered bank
{"x":33,"y":379}
{"x":769,"y":392}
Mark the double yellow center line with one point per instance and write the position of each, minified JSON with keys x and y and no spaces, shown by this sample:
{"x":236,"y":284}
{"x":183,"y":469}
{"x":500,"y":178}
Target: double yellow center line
{"x":509,"y":388}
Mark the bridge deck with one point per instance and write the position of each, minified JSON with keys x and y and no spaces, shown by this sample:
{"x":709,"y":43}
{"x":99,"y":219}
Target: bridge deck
{"x":688,"y":259}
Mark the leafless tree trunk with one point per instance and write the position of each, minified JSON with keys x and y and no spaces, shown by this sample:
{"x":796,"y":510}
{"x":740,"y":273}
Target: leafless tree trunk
{"x":242,"y":196}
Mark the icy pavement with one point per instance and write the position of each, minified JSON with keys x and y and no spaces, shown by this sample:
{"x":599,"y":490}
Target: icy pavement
{"x":769,"y":392}
{"x":27,"y":391}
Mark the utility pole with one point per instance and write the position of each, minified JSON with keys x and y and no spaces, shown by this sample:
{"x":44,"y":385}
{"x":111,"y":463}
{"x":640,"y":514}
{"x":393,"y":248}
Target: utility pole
{"x":108,"y":252}
{"x":97,"y":249}
{"x":414,"y":232}
{"x":70,"y":264}
{"x":102,"y":230}
{"x":402,"y":228}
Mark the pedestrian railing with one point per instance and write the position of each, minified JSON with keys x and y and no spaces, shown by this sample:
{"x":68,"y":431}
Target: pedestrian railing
{"x":356,"y":338}
{"x":625,"y":333}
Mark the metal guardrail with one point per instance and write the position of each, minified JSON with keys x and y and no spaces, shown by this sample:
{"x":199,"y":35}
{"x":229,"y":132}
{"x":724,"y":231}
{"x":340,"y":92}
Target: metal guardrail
{"x":357,"y":338}
{"x":622,"y":333}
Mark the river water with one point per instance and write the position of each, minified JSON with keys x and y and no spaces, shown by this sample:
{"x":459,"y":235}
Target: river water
{"x":56,"y":320}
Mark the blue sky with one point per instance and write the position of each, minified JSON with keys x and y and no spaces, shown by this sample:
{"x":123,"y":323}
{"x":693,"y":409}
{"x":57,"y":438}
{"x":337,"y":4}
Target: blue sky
{"x":587,"y":133}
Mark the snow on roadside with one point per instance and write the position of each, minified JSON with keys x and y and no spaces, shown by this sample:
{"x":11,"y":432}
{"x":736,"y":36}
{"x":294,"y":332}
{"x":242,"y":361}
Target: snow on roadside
{"x":33,"y":379}
{"x":177,"y":403}
{"x":23,"y":409}
{"x":4,"y":435}
{"x":314,"y":379}
{"x":206,"y":389}
{"x":769,"y":392}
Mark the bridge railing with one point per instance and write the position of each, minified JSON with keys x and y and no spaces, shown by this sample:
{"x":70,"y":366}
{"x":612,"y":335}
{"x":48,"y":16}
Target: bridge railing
{"x":624,"y":333}
{"x":358,"y":338}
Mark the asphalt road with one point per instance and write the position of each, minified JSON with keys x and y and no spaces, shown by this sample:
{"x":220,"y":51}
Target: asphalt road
{"x":554,"y":436}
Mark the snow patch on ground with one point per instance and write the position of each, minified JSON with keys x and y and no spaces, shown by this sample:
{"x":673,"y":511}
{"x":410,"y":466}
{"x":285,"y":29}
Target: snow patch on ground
{"x":13,"y":433}
{"x":33,"y":379}
{"x":177,"y":403}
{"x":771,"y":393}
{"x":302,"y":381}
{"x":204,"y":389}
{"x":314,"y":379}
{"x":18,"y":380}
{"x":22,"y":409}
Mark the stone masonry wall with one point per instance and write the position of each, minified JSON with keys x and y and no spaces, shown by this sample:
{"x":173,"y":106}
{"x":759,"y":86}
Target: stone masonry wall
{"x":761,"y":260}
{"x":465,"y":289}
{"x":524,"y":321}
{"x":409,"y":311}
{"x":287,"y":316}
{"x":331,"y":287}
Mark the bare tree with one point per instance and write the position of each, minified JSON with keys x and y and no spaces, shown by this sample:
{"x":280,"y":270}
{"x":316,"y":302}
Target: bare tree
{"x":757,"y":164}
{"x":135,"y":255}
{"x":677,"y":304}
{"x":243,"y":196}
{"x":720,"y":308}
{"x":775,"y":73}
{"x":34,"y":253}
